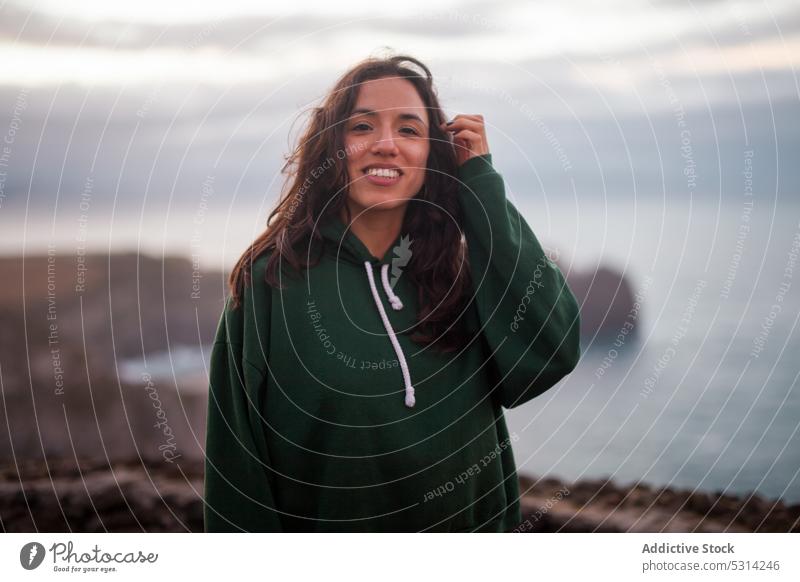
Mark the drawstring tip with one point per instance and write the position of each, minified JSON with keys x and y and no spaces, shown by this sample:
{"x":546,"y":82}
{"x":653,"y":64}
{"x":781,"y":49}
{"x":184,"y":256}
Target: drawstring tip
{"x":410,"y":399}
{"x":397,"y":305}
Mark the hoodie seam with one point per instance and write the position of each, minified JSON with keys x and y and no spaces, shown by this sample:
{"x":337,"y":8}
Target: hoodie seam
{"x":261,"y":371}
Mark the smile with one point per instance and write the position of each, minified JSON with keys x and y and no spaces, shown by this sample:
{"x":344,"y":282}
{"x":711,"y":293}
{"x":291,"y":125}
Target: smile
{"x":382,"y":176}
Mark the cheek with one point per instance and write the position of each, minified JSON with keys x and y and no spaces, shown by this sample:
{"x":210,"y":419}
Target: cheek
{"x":423,"y":149}
{"x":353,"y":164}
{"x":422,"y":155}
{"x":419,"y":159}
{"x":354,"y":149}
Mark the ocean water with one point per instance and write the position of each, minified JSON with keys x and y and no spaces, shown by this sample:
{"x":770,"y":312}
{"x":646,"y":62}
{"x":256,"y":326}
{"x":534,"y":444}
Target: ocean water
{"x":707,"y":396}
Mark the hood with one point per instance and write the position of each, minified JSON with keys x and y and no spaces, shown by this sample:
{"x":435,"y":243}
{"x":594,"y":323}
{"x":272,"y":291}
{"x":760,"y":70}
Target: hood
{"x":342,"y":244}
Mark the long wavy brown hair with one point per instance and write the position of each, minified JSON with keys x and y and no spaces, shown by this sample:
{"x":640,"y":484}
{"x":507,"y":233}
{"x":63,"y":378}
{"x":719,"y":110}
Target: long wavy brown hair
{"x":439,"y":268}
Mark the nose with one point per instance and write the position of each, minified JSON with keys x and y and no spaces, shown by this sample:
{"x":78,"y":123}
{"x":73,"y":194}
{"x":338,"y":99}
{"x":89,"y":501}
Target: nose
{"x":384,"y":144}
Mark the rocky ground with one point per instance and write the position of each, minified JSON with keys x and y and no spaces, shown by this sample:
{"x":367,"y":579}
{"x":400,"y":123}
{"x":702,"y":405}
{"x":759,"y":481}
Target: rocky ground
{"x":150,"y":496}
{"x":550,"y":505}
{"x":154,"y":496}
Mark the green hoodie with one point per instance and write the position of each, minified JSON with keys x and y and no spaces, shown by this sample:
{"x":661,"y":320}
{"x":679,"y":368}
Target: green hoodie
{"x":324,"y":416}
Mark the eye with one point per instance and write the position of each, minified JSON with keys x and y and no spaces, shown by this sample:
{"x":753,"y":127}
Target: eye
{"x":364,"y":127}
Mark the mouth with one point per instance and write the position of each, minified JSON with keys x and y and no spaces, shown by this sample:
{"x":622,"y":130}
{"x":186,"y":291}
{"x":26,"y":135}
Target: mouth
{"x":383,"y":176}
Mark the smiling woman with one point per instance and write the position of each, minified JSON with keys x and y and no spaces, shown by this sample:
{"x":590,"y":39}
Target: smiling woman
{"x":306,"y":430}
{"x":388,"y":130}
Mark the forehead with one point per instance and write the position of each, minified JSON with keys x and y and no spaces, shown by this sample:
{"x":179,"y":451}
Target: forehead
{"x":390,"y":96}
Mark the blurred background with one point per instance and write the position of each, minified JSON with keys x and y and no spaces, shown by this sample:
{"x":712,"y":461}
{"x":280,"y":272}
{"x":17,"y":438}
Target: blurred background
{"x":653,"y":146}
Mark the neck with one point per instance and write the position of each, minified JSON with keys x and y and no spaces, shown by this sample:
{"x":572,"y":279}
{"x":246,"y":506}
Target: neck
{"x":377,"y":229}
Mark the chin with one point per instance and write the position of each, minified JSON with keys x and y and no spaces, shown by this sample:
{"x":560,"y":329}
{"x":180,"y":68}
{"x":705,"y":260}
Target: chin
{"x":382,"y":202}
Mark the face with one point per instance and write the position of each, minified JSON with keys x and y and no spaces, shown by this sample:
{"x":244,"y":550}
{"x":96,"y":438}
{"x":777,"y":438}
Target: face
{"x":386,"y":142}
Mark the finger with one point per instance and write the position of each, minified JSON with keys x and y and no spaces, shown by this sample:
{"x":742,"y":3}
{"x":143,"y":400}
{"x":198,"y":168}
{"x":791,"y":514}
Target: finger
{"x":468,"y":134}
{"x":476,"y":116}
{"x":463,"y":116}
{"x":464,"y":123}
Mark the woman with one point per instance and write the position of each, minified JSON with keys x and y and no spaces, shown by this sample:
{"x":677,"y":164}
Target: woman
{"x":366,"y":351}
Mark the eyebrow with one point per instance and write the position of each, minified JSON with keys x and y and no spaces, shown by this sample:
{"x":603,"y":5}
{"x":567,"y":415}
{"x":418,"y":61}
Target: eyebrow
{"x":362,"y":111}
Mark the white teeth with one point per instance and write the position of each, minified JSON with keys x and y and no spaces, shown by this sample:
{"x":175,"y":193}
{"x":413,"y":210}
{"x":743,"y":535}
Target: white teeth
{"x":383,"y":172}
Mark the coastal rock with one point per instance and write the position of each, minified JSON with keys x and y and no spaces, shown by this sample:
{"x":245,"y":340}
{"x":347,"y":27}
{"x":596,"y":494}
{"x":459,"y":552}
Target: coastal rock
{"x":150,"y":495}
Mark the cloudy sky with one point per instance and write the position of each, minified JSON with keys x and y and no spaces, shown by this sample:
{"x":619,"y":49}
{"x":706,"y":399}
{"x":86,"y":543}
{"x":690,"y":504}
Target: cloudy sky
{"x":141,"y":102}
{"x":96,"y":42}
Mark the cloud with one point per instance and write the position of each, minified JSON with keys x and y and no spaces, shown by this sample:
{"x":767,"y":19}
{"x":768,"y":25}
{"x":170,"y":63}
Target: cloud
{"x":207,"y":109}
{"x":43,"y":48}
{"x":256,"y":33}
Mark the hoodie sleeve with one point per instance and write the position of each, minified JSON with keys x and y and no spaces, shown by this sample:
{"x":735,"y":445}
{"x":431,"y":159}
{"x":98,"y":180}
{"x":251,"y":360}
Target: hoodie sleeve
{"x":238,"y":494}
{"x":529,"y":317}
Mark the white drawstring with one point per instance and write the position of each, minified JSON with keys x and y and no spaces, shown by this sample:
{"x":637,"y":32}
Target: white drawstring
{"x":397,"y":305}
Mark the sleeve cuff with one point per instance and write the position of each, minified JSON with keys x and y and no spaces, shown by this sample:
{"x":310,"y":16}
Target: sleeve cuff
{"x":476,"y":166}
